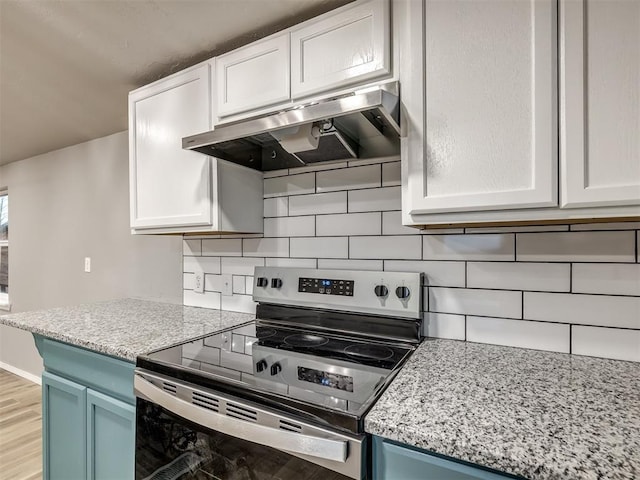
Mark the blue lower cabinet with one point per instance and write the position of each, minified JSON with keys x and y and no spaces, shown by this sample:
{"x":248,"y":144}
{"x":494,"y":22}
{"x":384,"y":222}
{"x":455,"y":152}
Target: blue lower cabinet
{"x":111,"y":428}
{"x":88,"y":414}
{"x":393,"y":461}
{"x":63,"y":428}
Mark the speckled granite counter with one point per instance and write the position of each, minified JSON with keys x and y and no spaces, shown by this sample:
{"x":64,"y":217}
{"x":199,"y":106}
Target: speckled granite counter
{"x":536,"y":414}
{"x":125,"y":328}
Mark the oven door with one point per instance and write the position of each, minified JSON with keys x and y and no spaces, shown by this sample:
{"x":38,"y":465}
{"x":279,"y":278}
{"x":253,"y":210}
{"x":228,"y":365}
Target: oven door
{"x":184,"y":431}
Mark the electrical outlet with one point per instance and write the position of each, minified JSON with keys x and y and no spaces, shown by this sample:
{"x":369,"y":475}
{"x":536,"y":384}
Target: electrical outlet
{"x":227,"y":285}
{"x":198,"y":286}
{"x":87,"y":264}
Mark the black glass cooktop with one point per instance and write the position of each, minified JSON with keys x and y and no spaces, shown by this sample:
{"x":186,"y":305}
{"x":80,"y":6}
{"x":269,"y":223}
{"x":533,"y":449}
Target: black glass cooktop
{"x":329,"y":347}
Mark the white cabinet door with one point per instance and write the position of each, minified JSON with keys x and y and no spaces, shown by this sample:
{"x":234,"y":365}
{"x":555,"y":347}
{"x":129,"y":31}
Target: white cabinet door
{"x":600,"y":102}
{"x":342,"y":48}
{"x":253,"y":76}
{"x":481,"y":115}
{"x":169,"y":186}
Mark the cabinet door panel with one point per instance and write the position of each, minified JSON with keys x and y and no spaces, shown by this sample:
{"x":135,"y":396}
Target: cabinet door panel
{"x":63,"y":428}
{"x":351,"y":46}
{"x":393,"y":462}
{"x":110,"y":438}
{"x":252,"y":77}
{"x":169,"y":186}
{"x":486,"y":110}
{"x":600,"y":102}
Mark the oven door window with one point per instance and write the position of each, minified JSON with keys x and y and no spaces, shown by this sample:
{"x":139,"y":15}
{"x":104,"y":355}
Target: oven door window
{"x":168,"y":447}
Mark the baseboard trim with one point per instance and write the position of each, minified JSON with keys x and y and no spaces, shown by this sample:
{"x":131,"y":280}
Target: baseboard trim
{"x":21,"y":373}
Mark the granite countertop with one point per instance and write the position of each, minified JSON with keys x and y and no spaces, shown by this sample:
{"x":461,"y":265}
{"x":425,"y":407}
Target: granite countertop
{"x":539,"y":415}
{"x":125,"y":328}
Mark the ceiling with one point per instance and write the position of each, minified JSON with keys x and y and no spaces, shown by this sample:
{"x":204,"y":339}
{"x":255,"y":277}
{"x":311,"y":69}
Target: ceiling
{"x":66,"y":66}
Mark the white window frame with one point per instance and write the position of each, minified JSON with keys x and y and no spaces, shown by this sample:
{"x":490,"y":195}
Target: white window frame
{"x":4,"y":297}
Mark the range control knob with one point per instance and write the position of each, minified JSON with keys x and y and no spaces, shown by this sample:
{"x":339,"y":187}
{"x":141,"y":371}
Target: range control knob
{"x":381,"y":291}
{"x":276,"y":368}
{"x":262,"y":282}
{"x":276,"y":283}
{"x":403,"y":292}
{"x":261,"y":365}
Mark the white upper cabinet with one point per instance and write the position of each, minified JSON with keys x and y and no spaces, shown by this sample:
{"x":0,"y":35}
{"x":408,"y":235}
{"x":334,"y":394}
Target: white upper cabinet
{"x":600,"y":102}
{"x":170,"y":187}
{"x":180,"y":191}
{"x":345,"y":47}
{"x":252,"y":77}
{"x":481,"y":116}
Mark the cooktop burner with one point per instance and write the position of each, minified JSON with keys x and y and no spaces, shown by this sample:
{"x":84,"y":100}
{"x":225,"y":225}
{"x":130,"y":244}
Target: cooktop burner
{"x":377,"y":352}
{"x":305,"y":340}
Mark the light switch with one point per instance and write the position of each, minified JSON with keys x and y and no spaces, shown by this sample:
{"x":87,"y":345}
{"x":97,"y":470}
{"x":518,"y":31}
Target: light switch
{"x":226,"y":285}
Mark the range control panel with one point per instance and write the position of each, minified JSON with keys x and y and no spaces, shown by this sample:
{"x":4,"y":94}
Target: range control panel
{"x":383,"y":293}
{"x":326,"y":286}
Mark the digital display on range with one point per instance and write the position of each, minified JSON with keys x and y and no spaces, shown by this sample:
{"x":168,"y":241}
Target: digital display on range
{"x":331,"y":380}
{"x":325,"y":286}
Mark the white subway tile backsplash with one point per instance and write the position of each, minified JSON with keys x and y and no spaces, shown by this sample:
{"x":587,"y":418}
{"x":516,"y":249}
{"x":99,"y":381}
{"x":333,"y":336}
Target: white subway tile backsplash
{"x":371,"y":161}
{"x":276,"y":207}
{"x":320,"y":247}
{"x":241,"y":266}
{"x":331,"y":263}
{"x":290,"y":227}
{"x":444,"y":325}
{"x":390,"y":174}
{"x":507,"y":285}
{"x":437,"y":273}
{"x":606,"y":226}
{"x":222,"y":247}
{"x":606,"y":278}
{"x":576,"y":247}
{"x":239,"y":284}
{"x":617,"y":343}
{"x":203,"y":300}
{"x":320,"y":166}
{"x":291,"y":262}
{"x":490,"y":303}
{"x":518,"y":333}
{"x":374,"y":199}
{"x":349,"y":178}
{"x":192,"y":247}
{"x":496,"y":247}
{"x":392,"y":225}
{"x":391,"y":247}
{"x":290,"y":185}
{"x":319,"y":203}
{"x":349,"y":224}
{"x":597,"y":310}
{"x":239,"y":303}
{"x":213,"y":283}
{"x":547,"y":277}
{"x":265,"y":247}
{"x":205,"y":264}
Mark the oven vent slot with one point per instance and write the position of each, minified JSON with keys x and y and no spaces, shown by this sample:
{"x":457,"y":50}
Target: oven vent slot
{"x":290,"y":427}
{"x":241,"y":413}
{"x":205,"y":401}
{"x":169,"y":388}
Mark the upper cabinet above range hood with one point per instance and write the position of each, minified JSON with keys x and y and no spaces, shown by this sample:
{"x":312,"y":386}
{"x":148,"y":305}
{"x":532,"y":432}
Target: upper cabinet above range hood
{"x":362,"y":124}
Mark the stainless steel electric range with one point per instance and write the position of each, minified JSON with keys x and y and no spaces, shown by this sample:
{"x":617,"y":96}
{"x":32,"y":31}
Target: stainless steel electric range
{"x":283,"y":397}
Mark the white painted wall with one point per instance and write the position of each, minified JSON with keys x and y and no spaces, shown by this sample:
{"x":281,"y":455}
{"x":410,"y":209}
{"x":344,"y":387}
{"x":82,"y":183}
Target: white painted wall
{"x":66,"y":205}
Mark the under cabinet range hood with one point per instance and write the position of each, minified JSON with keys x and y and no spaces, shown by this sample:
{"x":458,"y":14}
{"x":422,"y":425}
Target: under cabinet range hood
{"x":362,"y":124}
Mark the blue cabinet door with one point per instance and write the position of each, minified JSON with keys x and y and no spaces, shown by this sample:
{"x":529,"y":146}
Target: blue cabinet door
{"x":110,"y":438}
{"x":63,"y":428}
{"x":392,"y":461}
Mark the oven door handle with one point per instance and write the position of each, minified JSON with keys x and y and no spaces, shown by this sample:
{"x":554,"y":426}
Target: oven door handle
{"x":299,"y":443}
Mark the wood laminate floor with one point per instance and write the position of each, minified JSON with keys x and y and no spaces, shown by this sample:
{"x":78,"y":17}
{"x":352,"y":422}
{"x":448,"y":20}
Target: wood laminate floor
{"x":20,"y":428}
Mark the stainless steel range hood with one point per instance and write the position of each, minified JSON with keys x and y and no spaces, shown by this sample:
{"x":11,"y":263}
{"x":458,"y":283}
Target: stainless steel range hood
{"x":362,"y":124}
